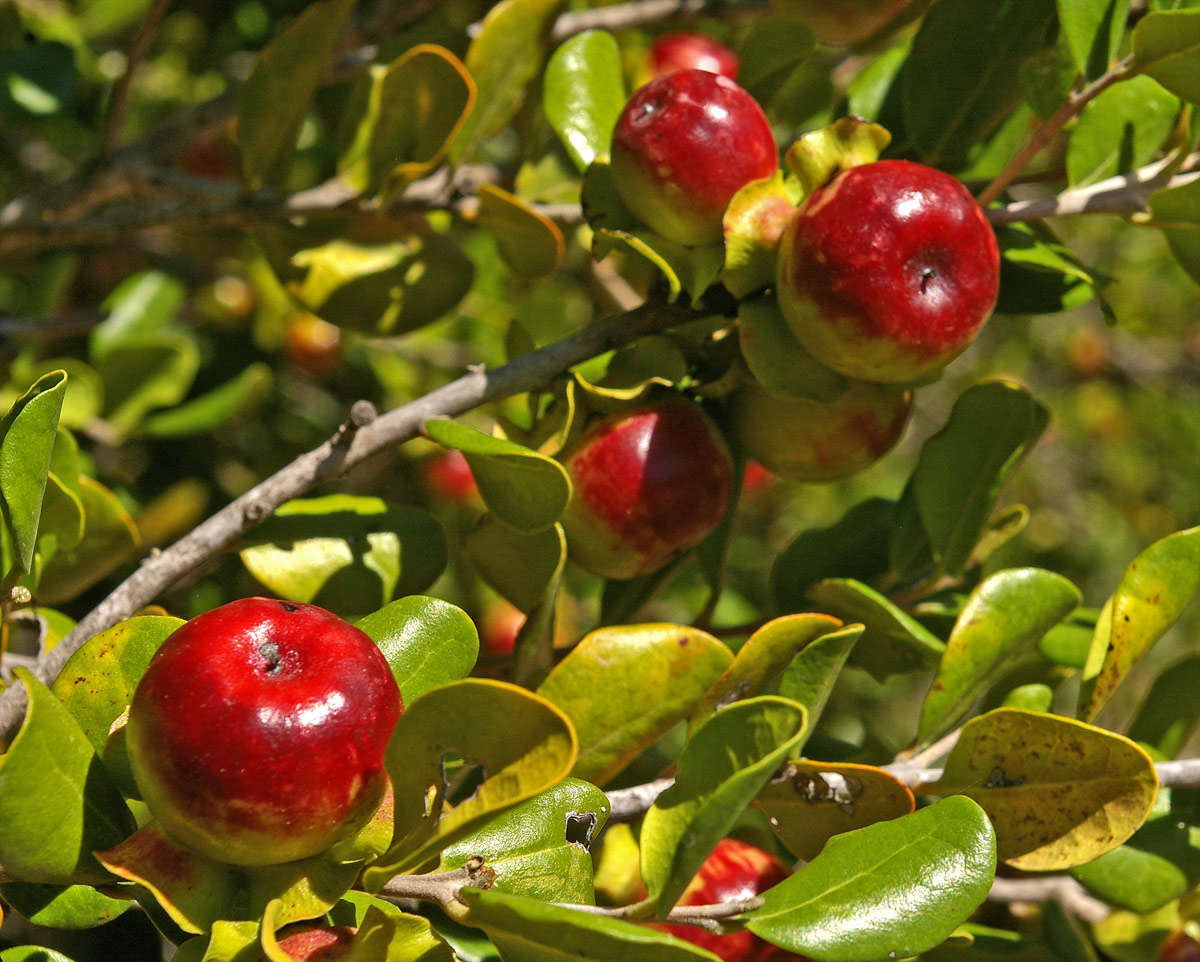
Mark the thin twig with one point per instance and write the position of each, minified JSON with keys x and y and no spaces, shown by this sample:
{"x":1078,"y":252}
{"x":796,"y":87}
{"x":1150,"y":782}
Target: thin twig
{"x":442,"y":887}
{"x":1073,"y":896}
{"x":707,"y":917}
{"x":1070,"y":108}
{"x":119,"y":102}
{"x":626,"y":804}
{"x":532,"y":372}
{"x":643,"y":13}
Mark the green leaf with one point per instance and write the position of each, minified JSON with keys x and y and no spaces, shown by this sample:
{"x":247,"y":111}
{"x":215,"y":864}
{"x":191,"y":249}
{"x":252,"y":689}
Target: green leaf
{"x":1058,"y":791}
{"x":961,"y":468}
{"x":1166,"y":46}
{"x":524,"y":489}
{"x":753,"y":224}
{"x":1093,"y":29}
{"x":85,"y":389}
{"x":58,"y":907}
{"x":427,"y":642}
{"x":385,"y":934}
{"x":893,"y":641}
{"x":810,"y":677}
{"x":504,"y":57}
{"x":820,"y":155}
{"x":758,"y":664}
{"x":770,"y":53}
{"x":583,"y":93}
{"x":519,"y":566}
{"x":853,"y":547}
{"x":32,"y":953}
{"x":142,"y":305}
{"x":276,"y":96}
{"x":652,"y":677}
{"x":524,"y":743}
{"x":98,"y":681}
{"x":57,"y":804}
{"x":887,"y":891}
{"x":1003,"y":619}
{"x":529,"y":930}
{"x":401,"y":118}
{"x":225,"y":942}
{"x":724,"y":766}
{"x":28,"y":436}
{"x":811,"y":802}
{"x":1041,"y":275}
{"x":153,"y":371}
{"x":236,"y":398}
{"x":690,"y":269}
{"x":347,"y":553}
{"x":962,"y":75}
{"x":1152,"y":594}
{"x":542,"y":847}
{"x":1120,"y":130}
{"x":1177,"y":204}
{"x":530,"y":243}
{"x":1031,"y":697}
{"x":38,"y":79}
{"x":778,"y":362}
{"x":1169,"y":714}
{"x":1068,"y":642}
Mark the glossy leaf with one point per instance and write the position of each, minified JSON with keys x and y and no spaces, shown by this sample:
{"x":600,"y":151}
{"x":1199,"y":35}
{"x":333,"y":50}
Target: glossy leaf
{"x":688,"y":270}
{"x":1003,"y":619}
{"x":154,"y":371}
{"x":1058,"y":791}
{"x":1166,"y":46}
{"x":236,"y":398}
{"x":98,"y":681}
{"x":889,"y":890}
{"x":1093,"y":30}
{"x":1152,"y":594}
{"x":961,"y":468}
{"x":32,"y":953}
{"x":893,"y":641}
{"x":348,"y":553}
{"x":1032,"y":697}
{"x":225,"y":942}
{"x":1120,"y":130}
{"x":1169,"y":713}
{"x":58,"y":907}
{"x":524,"y":743}
{"x":810,"y":802}
{"x":820,"y":155}
{"x":530,"y":243}
{"x":583,"y":92}
{"x":770,"y":53}
{"x":542,"y":847}
{"x":529,"y":930}
{"x":810,"y":677}
{"x":141,"y":306}
{"x":652,"y":677}
{"x":57,"y":804}
{"x":759,"y":663}
{"x":1040,"y":275}
{"x":1068,"y":642}
{"x":427,"y":642}
{"x":84,"y":399}
{"x":504,"y":57}
{"x":28,"y":434}
{"x":401,"y":118}
{"x":524,"y":489}
{"x":518,"y":566}
{"x":723,"y":767}
{"x":277,"y":94}
{"x":778,"y":362}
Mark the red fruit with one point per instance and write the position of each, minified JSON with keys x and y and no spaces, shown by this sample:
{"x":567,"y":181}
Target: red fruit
{"x":448,"y":476}
{"x":257,"y":734}
{"x":692,"y":51}
{"x":209,"y":157}
{"x":1179,"y":947}
{"x":648,"y":484}
{"x":733,"y":871}
{"x":499,"y":628}
{"x":888,"y":272}
{"x":317,"y":943}
{"x":313,"y":345}
{"x":755,"y":477}
{"x":683,"y":146}
{"x":808,"y":440}
{"x":843,"y":21}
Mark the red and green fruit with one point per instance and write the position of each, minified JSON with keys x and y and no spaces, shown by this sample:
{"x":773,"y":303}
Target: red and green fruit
{"x":448,"y":477}
{"x":735,"y":870}
{"x":647,"y":484}
{"x":318,"y":943}
{"x":313,"y":345}
{"x":257,"y":734}
{"x":683,"y":146}
{"x":808,"y":440}
{"x":1179,"y":947}
{"x":691,"y":51}
{"x":843,"y":21}
{"x":888,"y":272}
{"x":499,"y":627}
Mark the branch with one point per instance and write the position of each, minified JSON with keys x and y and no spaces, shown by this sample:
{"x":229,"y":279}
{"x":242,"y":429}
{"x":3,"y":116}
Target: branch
{"x":120,"y":95}
{"x":626,"y":804}
{"x":352,"y":445}
{"x":707,"y":917}
{"x":640,"y":14}
{"x":1075,"y":102}
{"x":1073,"y":896}
{"x":442,"y":887}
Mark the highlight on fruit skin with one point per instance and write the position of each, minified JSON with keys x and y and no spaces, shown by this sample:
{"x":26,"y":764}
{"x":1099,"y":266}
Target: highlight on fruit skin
{"x":809,"y":440}
{"x":683,"y":146}
{"x":888,"y":272}
{"x":257,"y":734}
{"x":648,"y":484}
{"x":691,"y":51}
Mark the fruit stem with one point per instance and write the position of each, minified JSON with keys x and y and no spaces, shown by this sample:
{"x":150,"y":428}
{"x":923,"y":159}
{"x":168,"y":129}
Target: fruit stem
{"x":1071,"y":107}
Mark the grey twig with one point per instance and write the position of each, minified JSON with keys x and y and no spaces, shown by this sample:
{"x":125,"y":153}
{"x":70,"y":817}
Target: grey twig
{"x":120,"y":96}
{"x":1073,"y":896}
{"x":626,"y":804}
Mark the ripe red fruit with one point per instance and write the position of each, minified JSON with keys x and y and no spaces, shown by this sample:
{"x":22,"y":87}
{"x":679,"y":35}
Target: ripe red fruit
{"x":313,"y":345}
{"x":808,"y":440}
{"x":755,"y":478}
{"x":448,"y":476}
{"x":683,"y":146}
{"x":888,"y":272}
{"x":318,"y":943}
{"x":691,"y":51}
{"x":647,"y":484}
{"x":734,"y":870}
{"x":499,"y":627}
{"x":1179,"y":947}
{"x":257,"y":734}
